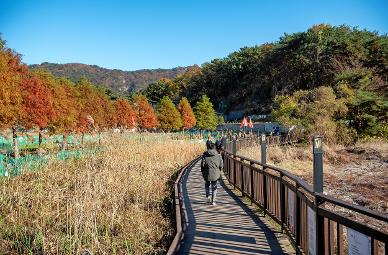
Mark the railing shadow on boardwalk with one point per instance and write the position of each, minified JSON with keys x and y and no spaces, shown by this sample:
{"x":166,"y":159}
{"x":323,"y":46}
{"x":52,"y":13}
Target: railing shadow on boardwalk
{"x":229,"y":227}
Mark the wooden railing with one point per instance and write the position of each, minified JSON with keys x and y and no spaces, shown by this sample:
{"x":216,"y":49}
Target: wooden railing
{"x":313,"y":221}
{"x":179,"y":224}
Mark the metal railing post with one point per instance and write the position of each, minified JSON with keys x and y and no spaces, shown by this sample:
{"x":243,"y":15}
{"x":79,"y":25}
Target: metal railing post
{"x":223,"y":142}
{"x":318,"y":188}
{"x":263,"y":143}
{"x":318,"y":164}
{"x":234,"y":146}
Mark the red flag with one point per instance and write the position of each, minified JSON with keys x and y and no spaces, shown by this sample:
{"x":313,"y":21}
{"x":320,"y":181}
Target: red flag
{"x":244,"y":122}
{"x":250,"y":123}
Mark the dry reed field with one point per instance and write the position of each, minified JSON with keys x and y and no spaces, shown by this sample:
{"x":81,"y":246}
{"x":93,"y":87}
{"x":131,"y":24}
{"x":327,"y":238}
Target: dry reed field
{"x":116,"y":201}
{"x":357,"y":174}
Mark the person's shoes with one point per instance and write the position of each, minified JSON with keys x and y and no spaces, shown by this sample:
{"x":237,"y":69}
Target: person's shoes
{"x":214,"y":203}
{"x":208,"y":200}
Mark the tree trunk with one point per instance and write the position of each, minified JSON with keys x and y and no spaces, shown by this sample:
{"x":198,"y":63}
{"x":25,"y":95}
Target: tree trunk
{"x":99,"y":138}
{"x":82,"y":140}
{"x":40,"y":142}
{"x":15,"y":143}
{"x":64,"y":142}
{"x":40,"y":138}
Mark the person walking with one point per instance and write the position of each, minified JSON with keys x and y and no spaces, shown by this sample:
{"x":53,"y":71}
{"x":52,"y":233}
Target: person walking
{"x":211,"y":166}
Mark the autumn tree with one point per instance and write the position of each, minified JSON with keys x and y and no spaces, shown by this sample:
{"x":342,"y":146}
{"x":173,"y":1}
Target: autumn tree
{"x":168,"y":116}
{"x":187,"y":114}
{"x":38,"y":104}
{"x":145,"y":114}
{"x":11,"y":73}
{"x":125,"y":114}
{"x":161,"y":88}
{"x":66,"y":104}
{"x":205,"y":114}
{"x":92,"y":106}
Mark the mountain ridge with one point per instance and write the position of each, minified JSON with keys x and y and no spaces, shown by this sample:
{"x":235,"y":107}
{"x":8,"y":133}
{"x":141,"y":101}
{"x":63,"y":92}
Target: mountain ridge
{"x":114,"y":79}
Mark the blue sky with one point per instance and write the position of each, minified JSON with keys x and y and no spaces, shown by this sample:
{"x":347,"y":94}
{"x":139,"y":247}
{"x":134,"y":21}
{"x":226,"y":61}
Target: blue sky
{"x":131,"y":35}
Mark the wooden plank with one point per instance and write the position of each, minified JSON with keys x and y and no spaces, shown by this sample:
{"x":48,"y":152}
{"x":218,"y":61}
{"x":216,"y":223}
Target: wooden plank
{"x":225,"y":228}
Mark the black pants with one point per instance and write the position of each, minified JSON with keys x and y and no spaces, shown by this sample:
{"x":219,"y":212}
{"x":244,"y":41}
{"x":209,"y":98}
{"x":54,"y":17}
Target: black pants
{"x":214,"y":189}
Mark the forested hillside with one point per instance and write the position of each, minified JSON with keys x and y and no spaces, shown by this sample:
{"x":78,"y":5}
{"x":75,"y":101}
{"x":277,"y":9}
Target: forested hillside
{"x":324,"y":55}
{"x":329,"y":79}
{"x":116,"y":80}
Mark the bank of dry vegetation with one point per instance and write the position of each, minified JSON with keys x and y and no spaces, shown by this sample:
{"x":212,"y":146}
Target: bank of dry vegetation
{"x":115,"y":202}
{"x":356,"y":174}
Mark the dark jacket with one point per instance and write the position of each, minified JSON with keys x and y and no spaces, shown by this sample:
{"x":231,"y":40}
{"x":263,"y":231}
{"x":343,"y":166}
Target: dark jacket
{"x":211,"y":165}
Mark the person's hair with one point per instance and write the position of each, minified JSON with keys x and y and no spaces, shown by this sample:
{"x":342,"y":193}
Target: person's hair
{"x":218,"y":144}
{"x":211,"y":146}
{"x":208,"y":142}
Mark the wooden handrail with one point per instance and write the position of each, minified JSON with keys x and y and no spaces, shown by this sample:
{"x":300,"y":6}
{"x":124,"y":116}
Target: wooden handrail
{"x":275,"y":205}
{"x":175,"y":245}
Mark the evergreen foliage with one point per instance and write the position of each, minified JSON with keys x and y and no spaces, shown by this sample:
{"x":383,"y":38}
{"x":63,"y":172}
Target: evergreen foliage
{"x":205,"y":114}
{"x":168,"y":115}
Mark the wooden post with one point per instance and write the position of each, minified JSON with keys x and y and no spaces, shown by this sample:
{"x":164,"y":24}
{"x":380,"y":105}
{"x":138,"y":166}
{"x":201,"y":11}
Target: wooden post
{"x":298,"y":218}
{"x":252,"y":184}
{"x":282,"y":202}
{"x":15,"y":143}
{"x":64,"y":137}
{"x":264,"y":161}
{"x":242,"y":179}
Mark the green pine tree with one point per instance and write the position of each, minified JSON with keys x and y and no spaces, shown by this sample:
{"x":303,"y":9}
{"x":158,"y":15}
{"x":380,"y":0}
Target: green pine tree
{"x":205,"y":114}
{"x":169,"y":117}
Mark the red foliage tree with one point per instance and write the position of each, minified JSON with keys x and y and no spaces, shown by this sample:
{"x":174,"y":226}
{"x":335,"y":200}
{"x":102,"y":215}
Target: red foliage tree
{"x":37,"y":103}
{"x":11,"y":73}
{"x":125,"y":114}
{"x":93,"y":105}
{"x":187,"y":114}
{"x":145,"y":114}
{"x":66,"y":109}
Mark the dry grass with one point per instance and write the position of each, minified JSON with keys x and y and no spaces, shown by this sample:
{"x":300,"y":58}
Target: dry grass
{"x":115,"y":202}
{"x":356,"y":174}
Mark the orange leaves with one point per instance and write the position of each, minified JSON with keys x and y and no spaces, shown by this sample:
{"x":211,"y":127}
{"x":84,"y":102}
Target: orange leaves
{"x":145,"y":114}
{"x":39,"y":100}
{"x":38,"y":105}
{"x":10,"y":92}
{"x":125,"y":114}
{"x":187,"y":114}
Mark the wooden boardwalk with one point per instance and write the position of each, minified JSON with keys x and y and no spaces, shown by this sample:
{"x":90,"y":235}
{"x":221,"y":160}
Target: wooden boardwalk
{"x":229,"y":227}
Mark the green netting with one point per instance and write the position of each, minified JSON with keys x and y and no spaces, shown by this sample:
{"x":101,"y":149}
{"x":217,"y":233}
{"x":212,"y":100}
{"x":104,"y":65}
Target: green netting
{"x":10,"y":166}
{"x":32,"y":142}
